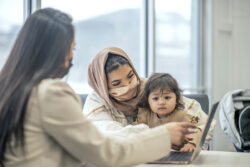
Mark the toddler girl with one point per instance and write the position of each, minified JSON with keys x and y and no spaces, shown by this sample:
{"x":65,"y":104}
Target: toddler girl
{"x":162,"y":103}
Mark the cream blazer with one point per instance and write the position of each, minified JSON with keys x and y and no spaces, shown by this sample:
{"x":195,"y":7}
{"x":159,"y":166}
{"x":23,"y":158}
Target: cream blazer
{"x":57,"y":134}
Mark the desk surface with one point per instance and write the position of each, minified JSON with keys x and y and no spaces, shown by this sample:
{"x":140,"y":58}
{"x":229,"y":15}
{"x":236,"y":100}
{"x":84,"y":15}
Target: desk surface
{"x":213,"y":159}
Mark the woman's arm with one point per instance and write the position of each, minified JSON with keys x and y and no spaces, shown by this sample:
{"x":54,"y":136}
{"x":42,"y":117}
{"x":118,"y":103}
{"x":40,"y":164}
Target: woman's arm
{"x":107,"y":121}
{"x":63,"y":120}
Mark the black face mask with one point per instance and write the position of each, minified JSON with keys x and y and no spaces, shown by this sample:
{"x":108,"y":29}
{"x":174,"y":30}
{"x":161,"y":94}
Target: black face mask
{"x":64,"y":71}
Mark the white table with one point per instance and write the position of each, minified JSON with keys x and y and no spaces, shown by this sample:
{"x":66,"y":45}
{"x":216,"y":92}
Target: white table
{"x":213,"y":159}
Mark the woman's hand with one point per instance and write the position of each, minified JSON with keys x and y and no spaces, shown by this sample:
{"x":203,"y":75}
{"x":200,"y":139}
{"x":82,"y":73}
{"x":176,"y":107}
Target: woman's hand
{"x":189,"y":147}
{"x":178,"y":132}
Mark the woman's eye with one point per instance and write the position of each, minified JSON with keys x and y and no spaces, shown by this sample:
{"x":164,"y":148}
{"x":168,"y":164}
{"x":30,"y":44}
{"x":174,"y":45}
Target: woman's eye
{"x":116,"y":84}
{"x":167,"y":97}
{"x":155,"y":98}
{"x":130,"y":76}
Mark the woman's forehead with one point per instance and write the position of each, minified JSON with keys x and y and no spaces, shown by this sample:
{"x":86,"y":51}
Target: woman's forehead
{"x":122,"y":70}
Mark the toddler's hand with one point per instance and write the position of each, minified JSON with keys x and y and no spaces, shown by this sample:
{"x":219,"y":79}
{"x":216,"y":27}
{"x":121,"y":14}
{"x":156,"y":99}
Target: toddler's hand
{"x":189,"y":147}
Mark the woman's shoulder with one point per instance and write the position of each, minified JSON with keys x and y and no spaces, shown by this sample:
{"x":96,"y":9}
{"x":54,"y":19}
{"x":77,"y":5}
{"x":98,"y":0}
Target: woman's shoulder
{"x":186,"y":100}
{"x":94,"y":97}
{"x":94,"y":102}
{"x":52,"y":88}
{"x":54,"y":97}
{"x":93,"y":94}
{"x":50,"y":84}
{"x":192,"y":106}
{"x":190,"y":103}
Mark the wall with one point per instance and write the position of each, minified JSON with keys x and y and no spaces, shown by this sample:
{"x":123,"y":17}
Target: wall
{"x":227,"y":53}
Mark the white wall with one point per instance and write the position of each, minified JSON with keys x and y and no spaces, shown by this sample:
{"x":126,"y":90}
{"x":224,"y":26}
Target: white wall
{"x":227,"y":53}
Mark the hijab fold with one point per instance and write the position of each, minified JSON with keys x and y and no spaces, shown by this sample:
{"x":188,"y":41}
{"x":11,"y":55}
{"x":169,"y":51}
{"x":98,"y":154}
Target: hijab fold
{"x":98,"y":81}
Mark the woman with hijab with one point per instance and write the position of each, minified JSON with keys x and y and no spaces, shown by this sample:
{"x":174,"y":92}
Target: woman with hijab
{"x":41,"y":122}
{"x":112,"y":112}
{"x":112,"y":106}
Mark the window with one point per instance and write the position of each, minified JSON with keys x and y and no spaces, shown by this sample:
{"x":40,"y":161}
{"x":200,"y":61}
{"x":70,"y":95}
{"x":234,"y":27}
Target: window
{"x":99,"y":24}
{"x":126,"y":24}
{"x":177,"y":41}
{"x":11,"y":18}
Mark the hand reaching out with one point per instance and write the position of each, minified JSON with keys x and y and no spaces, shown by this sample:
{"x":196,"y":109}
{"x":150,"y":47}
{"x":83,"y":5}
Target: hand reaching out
{"x":178,"y":132}
{"x":189,"y":147}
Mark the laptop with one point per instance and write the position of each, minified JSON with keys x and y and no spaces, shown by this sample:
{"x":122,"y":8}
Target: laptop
{"x":177,"y":157}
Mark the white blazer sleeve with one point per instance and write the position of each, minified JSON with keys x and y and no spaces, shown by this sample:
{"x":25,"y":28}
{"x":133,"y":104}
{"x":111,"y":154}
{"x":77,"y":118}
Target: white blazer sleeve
{"x":107,"y":121}
{"x":62,"y":120}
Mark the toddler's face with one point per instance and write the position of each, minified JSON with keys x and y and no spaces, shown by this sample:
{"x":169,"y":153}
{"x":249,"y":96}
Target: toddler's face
{"x":162,"y":102}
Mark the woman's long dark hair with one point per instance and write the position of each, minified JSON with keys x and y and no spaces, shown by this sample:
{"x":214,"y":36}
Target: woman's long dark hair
{"x":39,"y":52}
